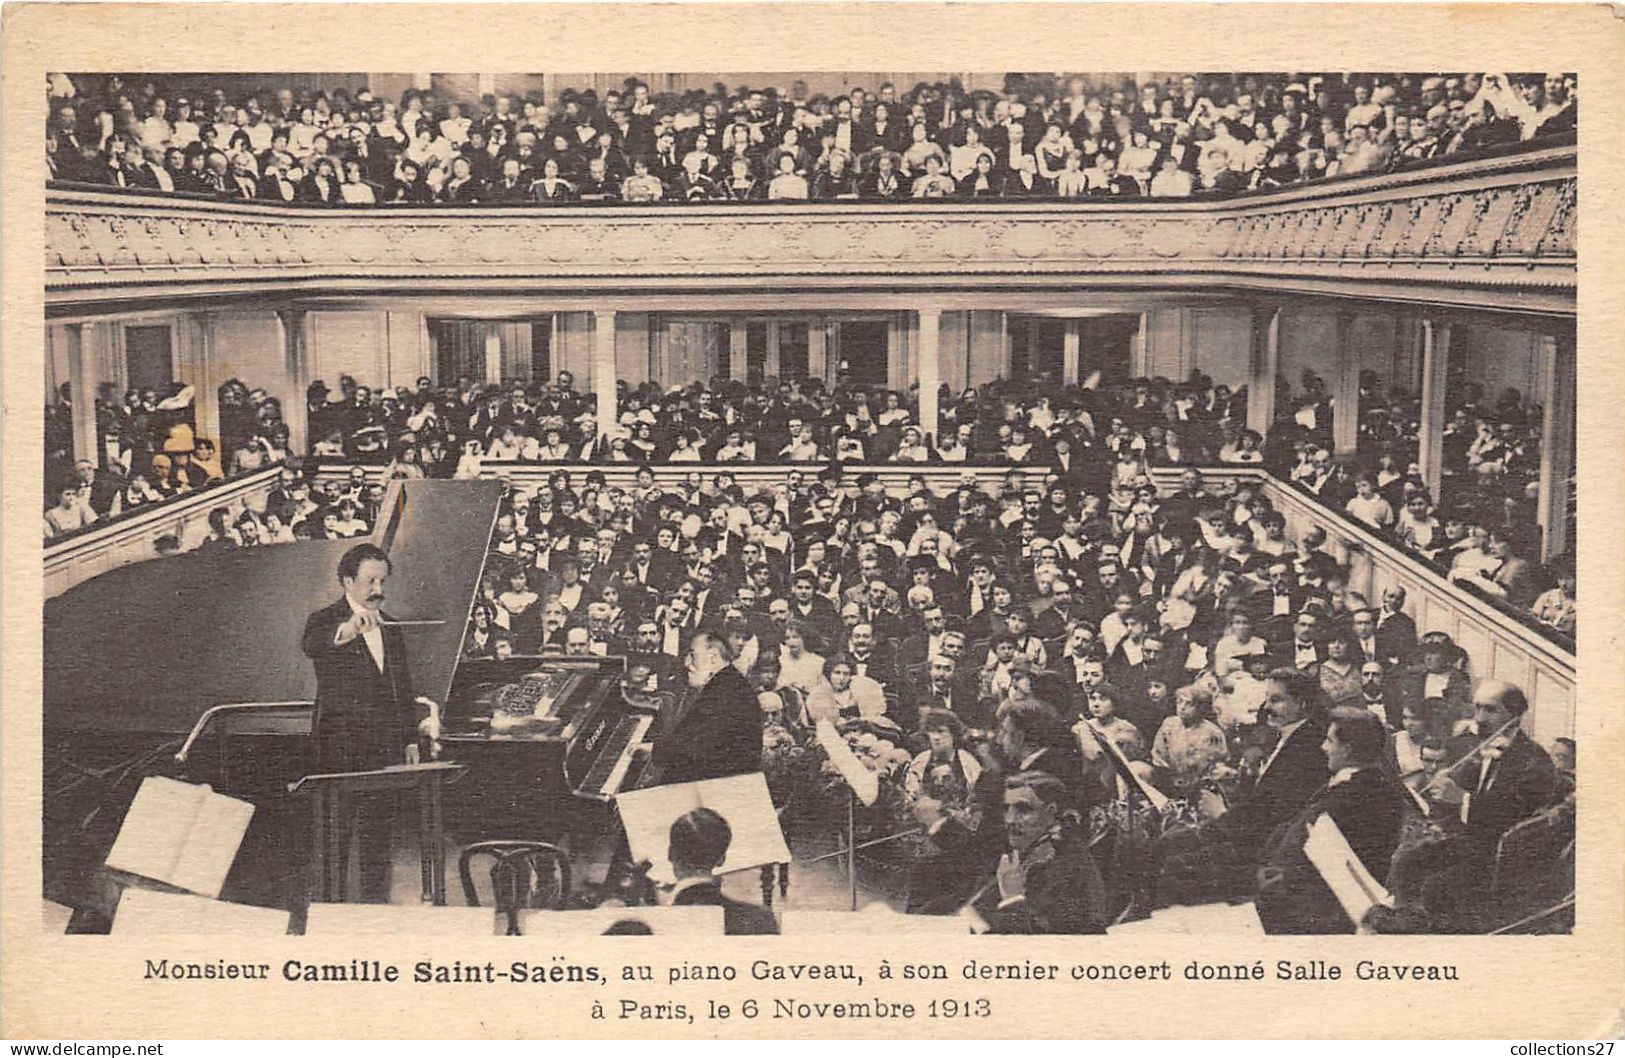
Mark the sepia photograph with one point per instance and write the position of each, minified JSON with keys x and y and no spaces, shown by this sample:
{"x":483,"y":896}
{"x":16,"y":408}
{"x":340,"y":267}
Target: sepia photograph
{"x":891,"y":505}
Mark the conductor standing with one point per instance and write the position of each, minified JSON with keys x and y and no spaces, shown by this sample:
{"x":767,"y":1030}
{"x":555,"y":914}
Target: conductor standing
{"x":366,"y":714}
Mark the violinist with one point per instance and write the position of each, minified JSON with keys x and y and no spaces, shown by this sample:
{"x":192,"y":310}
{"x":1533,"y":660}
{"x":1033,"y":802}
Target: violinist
{"x":1047,"y":882}
{"x":1503,"y":780}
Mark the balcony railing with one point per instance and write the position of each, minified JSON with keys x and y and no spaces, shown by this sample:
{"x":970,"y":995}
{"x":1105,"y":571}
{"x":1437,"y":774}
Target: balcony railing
{"x":1500,"y":643}
{"x":1496,"y":231}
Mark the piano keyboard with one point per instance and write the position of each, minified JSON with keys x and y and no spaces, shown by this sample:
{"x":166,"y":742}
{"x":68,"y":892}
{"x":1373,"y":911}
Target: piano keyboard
{"x":615,"y":757}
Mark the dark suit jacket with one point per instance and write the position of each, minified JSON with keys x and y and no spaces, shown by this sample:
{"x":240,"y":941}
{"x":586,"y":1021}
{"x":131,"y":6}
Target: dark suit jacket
{"x":738,"y":919}
{"x":1368,"y":809}
{"x":1064,"y":895}
{"x":364,"y":718}
{"x":1396,"y":637}
{"x":1521,"y":783}
{"x":1282,"y":791}
{"x":716,"y":733}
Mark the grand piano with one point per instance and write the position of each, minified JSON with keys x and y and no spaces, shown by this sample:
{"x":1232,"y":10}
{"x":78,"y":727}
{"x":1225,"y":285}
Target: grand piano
{"x":198,"y":655}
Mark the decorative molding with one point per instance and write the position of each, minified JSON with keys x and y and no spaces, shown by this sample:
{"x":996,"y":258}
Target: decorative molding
{"x":1491,"y":230}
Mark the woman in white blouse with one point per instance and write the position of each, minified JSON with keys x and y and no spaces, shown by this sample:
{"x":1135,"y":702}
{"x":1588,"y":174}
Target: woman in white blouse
{"x":843,"y":694}
{"x":799,"y":667}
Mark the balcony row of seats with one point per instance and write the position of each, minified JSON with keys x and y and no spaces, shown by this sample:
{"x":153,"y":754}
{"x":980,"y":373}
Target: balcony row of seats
{"x":1041,"y":137}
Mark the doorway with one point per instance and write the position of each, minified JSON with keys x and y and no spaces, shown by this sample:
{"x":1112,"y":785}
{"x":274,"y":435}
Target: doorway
{"x":492,"y":350}
{"x":866,"y":352}
{"x":148,"y":360}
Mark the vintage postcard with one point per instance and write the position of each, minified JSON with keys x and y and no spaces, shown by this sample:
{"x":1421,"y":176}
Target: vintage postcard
{"x":973,"y":520}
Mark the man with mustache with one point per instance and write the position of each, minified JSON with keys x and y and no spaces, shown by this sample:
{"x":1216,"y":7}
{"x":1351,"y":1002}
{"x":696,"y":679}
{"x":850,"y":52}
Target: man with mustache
{"x":367,"y":716}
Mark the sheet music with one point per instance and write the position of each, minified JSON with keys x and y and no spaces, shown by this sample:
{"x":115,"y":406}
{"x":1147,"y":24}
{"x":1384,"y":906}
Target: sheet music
{"x":743,"y":800}
{"x":864,"y":782}
{"x":1354,"y":886}
{"x":1155,"y":797}
{"x":181,"y":834}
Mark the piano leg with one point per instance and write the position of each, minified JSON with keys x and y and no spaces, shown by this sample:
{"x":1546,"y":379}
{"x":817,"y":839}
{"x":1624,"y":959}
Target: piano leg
{"x":784,"y":879}
{"x":436,"y":804}
{"x":425,"y":839}
{"x":767,"y":885}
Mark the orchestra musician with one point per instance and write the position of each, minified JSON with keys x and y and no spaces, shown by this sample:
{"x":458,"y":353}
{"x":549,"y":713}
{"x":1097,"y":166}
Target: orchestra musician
{"x":1220,"y":856}
{"x":1367,"y":806}
{"x":367,"y":716}
{"x":1047,"y":882}
{"x":698,"y":846}
{"x":1504,"y":780}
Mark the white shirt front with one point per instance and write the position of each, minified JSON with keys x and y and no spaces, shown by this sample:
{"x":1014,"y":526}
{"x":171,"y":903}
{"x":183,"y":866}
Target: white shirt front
{"x":1286,"y":733}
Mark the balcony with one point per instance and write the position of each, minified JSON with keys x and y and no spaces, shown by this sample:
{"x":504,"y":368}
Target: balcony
{"x":1495,"y":232}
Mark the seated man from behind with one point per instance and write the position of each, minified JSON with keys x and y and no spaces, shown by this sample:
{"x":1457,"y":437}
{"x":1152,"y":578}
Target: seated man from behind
{"x":699,"y":845}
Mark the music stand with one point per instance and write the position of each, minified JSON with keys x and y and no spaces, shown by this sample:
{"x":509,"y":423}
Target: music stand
{"x":329,"y":794}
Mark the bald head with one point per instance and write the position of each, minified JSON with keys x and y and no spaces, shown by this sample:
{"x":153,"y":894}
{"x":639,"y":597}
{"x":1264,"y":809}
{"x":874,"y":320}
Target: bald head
{"x":1496,"y":703}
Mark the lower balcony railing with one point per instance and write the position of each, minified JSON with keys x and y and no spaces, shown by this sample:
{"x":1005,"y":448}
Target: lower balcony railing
{"x":1498,"y":642}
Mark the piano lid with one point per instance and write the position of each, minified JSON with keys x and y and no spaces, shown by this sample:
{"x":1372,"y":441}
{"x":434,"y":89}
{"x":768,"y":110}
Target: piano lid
{"x":148,"y":647}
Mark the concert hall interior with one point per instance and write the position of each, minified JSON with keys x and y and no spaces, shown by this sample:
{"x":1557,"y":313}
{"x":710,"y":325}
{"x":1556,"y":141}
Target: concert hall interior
{"x":751,"y":503}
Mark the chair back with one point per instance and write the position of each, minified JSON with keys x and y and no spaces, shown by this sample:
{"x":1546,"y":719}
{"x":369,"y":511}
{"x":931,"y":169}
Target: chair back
{"x":524,"y":874}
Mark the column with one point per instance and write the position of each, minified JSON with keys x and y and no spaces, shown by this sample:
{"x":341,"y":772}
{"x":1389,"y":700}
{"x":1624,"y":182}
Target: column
{"x":1435,"y":372}
{"x":1346,"y":391}
{"x":1071,"y":353}
{"x":84,"y":379}
{"x":603,"y":368}
{"x":929,"y":358}
{"x":492,"y":344}
{"x":1556,"y":445}
{"x":296,"y":365}
{"x":1266,"y":366}
{"x":817,"y":351}
{"x":1141,"y":352}
{"x":773,"y":366}
{"x":738,"y":348}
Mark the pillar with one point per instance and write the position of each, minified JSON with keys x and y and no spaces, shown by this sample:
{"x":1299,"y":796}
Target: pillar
{"x":1141,"y":352}
{"x":738,"y":349}
{"x":1556,"y":445}
{"x":773,"y":366}
{"x":603,"y":368}
{"x":1266,"y":366}
{"x":929,"y":358}
{"x":1071,"y":354}
{"x":84,"y":379}
{"x":1435,"y":373}
{"x":817,"y":351}
{"x":296,"y":365}
{"x":1346,"y":391}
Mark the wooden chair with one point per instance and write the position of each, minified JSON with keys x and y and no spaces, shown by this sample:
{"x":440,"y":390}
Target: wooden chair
{"x":524,"y":874}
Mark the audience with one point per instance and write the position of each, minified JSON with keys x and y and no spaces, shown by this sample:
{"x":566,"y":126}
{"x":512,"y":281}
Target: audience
{"x":150,"y":451}
{"x":1041,"y":136}
{"x":1481,"y":530}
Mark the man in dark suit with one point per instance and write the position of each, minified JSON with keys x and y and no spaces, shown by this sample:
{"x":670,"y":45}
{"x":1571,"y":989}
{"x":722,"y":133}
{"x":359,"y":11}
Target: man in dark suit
{"x":1367,"y":807}
{"x":940,"y":689}
{"x":698,"y":847}
{"x":1396,"y":626}
{"x":1047,"y":882}
{"x":1441,"y":884}
{"x":366,"y":714}
{"x":1217,"y":859}
{"x":717,"y":730}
